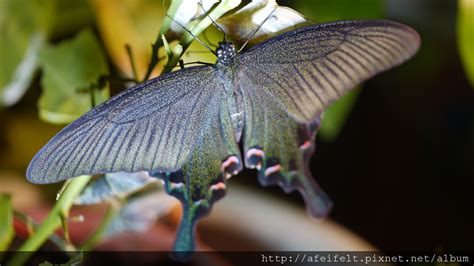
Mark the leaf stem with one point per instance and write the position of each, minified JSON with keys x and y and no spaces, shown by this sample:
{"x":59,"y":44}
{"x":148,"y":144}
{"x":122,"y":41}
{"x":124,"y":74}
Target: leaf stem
{"x":52,"y":221}
{"x":31,"y":226}
{"x":132,"y":61}
{"x":7,"y":232}
{"x":98,"y":234}
{"x":159,"y":41}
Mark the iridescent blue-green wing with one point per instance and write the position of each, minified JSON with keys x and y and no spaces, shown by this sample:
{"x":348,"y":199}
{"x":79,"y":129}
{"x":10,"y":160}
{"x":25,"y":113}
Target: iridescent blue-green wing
{"x":307,"y":69}
{"x":289,"y":80}
{"x":153,"y":126}
{"x":280,"y":147}
{"x":214,"y":158}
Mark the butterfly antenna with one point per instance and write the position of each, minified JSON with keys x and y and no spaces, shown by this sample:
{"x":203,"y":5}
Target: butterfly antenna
{"x":213,"y":22}
{"x":194,"y":36}
{"x":256,"y":30}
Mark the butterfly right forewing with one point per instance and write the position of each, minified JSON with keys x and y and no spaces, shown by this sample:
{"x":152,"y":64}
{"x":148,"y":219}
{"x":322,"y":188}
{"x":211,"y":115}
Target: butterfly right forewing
{"x":307,"y":69}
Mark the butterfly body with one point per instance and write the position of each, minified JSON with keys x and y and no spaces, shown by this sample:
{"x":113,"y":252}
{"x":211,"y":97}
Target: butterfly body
{"x":185,"y":127}
{"x":227,"y":67}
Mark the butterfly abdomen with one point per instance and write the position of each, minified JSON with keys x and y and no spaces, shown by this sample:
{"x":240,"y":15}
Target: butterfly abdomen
{"x":228,"y":75}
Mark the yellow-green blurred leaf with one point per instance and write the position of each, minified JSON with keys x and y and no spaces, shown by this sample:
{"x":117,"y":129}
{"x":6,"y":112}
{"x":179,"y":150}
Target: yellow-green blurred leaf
{"x":336,"y":115}
{"x":23,"y":30}
{"x":71,"y":16}
{"x":197,"y":26}
{"x":166,"y":45}
{"x":133,"y":22}
{"x":466,"y":36}
{"x":188,"y":11}
{"x":71,"y":71}
{"x":7,"y":231}
{"x":265,"y":16}
{"x":197,"y":52}
{"x":200,"y":25}
{"x":330,"y":10}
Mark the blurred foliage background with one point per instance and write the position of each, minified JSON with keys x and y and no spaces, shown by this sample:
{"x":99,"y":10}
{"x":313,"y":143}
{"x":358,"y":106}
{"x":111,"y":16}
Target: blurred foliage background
{"x":395,"y":155}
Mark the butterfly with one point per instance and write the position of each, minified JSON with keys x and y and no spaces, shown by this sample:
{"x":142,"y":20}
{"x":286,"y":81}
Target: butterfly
{"x":185,"y":127}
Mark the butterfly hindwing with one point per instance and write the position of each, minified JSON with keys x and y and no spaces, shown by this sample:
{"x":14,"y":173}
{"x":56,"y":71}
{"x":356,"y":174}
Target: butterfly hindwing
{"x":280,"y":147}
{"x":153,"y":126}
{"x":307,"y":69}
{"x":291,"y":79}
{"x":203,"y":178}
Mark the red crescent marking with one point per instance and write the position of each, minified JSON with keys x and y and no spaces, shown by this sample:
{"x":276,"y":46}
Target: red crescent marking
{"x":218,"y":186}
{"x":255,"y":152}
{"x":272,"y":169}
{"x":305,"y":145}
{"x":231,"y":160}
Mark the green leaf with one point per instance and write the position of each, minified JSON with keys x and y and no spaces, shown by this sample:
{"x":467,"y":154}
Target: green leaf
{"x":336,"y":115}
{"x":185,"y":13}
{"x":24,"y":26}
{"x":466,"y":36}
{"x":7,"y":231}
{"x":330,"y":10}
{"x":260,"y":20}
{"x":137,"y":21}
{"x":166,"y":45}
{"x":70,"y":17}
{"x":51,"y":222}
{"x":198,"y":26}
{"x":201,"y":25}
{"x":70,"y":82}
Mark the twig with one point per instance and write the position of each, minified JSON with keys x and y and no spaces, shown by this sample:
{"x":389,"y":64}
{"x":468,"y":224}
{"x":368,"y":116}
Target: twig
{"x":52,"y":221}
{"x":92,"y":241}
{"x":159,"y":41}
{"x":132,"y":61}
{"x":31,"y":226}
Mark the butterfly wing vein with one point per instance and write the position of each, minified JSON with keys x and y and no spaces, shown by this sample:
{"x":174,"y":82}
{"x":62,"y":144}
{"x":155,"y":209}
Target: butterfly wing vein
{"x":153,"y":126}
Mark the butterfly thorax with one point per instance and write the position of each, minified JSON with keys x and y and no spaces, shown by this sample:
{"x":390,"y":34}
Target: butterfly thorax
{"x":227,"y":66}
{"x":226,"y":54}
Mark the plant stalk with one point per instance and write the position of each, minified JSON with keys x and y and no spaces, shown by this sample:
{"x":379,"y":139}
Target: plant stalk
{"x":52,"y":221}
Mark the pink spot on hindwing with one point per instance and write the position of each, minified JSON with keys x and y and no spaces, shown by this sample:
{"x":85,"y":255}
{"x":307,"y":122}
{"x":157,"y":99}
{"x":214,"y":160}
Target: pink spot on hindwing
{"x":255,"y":157}
{"x":305,"y":145}
{"x":231,"y":160}
{"x":272,"y":169}
{"x":256,"y":152}
{"x":218,"y":186}
{"x":230,"y":166}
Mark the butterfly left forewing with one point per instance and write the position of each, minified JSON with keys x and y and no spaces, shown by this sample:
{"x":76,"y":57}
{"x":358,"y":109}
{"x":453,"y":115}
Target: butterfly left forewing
{"x":150,"y":127}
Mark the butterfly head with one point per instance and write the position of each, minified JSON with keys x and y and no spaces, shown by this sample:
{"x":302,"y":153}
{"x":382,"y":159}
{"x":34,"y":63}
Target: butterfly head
{"x":226,"y":52}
